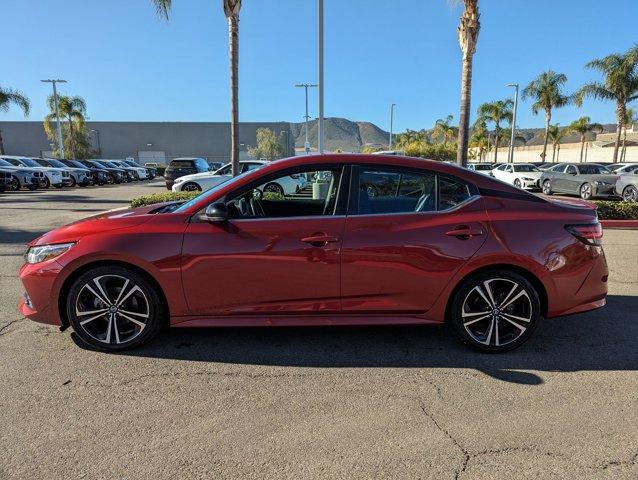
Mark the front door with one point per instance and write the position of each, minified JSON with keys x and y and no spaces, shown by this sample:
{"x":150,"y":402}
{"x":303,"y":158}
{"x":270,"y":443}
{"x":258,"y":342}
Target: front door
{"x":411,"y":231}
{"x":277,"y":254}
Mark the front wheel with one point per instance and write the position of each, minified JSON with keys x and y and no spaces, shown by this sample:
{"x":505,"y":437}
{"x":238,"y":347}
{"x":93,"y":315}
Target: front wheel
{"x":495,"y":311}
{"x":630,"y":194}
{"x":14,"y":184}
{"x":191,"y":187}
{"x":73,"y":181}
{"x":113,"y":308}
{"x":517,"y":183}
{"x":274,"y":188}
{"x":547,"y":187}
{"x":586,"y":191}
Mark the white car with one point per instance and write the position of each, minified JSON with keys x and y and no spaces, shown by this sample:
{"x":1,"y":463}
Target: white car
{"x":623,"y":168}
{"x":484,"y":168}
{"x":521,"y":175}
{"x":57,"y":177}
{"x":142,"y":173}
{"x":198,"y":182}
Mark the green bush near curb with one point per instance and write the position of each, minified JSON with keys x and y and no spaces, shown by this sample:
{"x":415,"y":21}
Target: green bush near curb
{"x":607,"y":210}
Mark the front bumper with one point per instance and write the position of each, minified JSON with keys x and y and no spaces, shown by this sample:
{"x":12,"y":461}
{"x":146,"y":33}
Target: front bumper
{"x":40,"y":300}
{"x":605,"y":191}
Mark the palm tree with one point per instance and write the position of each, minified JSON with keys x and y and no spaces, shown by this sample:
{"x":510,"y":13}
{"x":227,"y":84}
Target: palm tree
{"x":443,"y":129}
{"x":496,"y":112}
{"x":583,"y":127}
{"x":71,"y":109}
{"x":547,"y":90}
{"x":10,"y":97}
{"x":231,"y":10}
{"x":631,"y":118}
{"x":555,"y":135}
{"x":479,"y":139}
{"x":468,"y":33}
{"x":620,"y":72}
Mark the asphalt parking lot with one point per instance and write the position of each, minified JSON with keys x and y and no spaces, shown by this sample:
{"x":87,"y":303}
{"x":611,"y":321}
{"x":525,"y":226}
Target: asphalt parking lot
{"x":392,"y":402}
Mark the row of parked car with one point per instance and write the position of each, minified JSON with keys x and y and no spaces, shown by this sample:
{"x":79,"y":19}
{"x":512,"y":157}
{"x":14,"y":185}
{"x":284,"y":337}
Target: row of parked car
{"x":587,"y":180}
{"x":17,"y":172}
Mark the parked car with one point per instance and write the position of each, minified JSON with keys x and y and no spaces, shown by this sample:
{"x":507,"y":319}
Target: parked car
{"x":21,"y":177}
{"x":130,"y":174}
{"x":184,"y":166}
{"x":448,"y":245}
{"x":623,"y":168}
{"x":79,"y":176}
{"x":151,"y":172}
{"x":140,"y":173}
{"x":484,"y":168}
{"x":5,"y":179}
{"x":114,"y":175}
{"x":588,"y":180}
{"x":521,"y":175}
{"x":627,"y":187}
{"x":542,"y":165}
{"x":56,"y":177}
{"x":97,"y":176}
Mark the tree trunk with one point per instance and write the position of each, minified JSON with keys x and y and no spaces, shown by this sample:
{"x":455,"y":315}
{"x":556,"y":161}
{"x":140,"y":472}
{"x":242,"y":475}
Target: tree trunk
{"x":233,"y":39}
{"x":1,"y":144}
{"x":548,"y":118}
{"x":553,"y":152}
{"x":582,"y":147}
{"x":620,"y":117}
{"x":468,"y":33}
{"x":558,"y":152}
{"x":498,"y":134}
{"x":71,"y":139}
{"x":622,"y":155}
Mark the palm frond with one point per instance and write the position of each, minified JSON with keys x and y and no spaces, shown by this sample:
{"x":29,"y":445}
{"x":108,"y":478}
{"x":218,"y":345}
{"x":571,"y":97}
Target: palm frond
{"x":9,"y":96}
{"x":163,"y":7}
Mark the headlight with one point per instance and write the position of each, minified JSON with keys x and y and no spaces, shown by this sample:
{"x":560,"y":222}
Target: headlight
{"x":527,"y":179}
{"x":602,"y":184}
{"x":179,"y":180}
{"x":46,"y":252}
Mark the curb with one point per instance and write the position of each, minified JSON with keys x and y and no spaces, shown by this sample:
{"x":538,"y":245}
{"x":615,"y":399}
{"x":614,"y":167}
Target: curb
{"x":620,"y":224}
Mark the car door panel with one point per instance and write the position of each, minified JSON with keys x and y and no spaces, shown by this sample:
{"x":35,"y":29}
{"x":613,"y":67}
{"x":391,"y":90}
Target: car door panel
{"x":402,"y":262}
{"x":263,"y":266}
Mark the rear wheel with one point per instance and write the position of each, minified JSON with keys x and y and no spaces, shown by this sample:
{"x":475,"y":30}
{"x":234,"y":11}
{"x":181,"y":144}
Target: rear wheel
{"x":113,"y":308}
{"x":547,"y":187}
{"x":495,"y":311}
{"x":517,"y":183}
{"x":586,"y":191}
{"x":73,"y":181}
{"x":47,"y":182}
{"x":191,"y":187}
{"x":274,"y":188}
{"x":630,"y":194}
{"x":14,"y":184}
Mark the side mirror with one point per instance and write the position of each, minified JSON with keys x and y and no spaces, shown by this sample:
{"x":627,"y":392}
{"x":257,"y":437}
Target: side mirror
{"x":216,"y":212}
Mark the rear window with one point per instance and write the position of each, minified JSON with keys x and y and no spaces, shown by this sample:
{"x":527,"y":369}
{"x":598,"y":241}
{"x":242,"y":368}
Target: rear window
{"x":182,"y":164}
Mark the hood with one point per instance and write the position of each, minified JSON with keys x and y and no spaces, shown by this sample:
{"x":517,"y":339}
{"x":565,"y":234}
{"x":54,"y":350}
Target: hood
{"x":103,"y":222}
{"x":534,"y":175}
{"x":195,"y":176}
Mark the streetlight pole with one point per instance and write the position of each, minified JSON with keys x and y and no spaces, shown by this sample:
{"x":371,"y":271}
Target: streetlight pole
{"x":320,"y":75}
{"x":57,"y":115}
{"x":511,"y":152}
{"x":99,"y":146}
{"x":306,"y":86}
{"x":391,"y":124}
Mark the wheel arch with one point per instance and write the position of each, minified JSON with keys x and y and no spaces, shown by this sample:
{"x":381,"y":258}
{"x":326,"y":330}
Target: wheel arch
{"x":68,"y":281}
{"x":527,"y":274}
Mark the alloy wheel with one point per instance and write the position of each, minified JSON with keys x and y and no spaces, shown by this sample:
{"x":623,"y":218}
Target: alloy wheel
{"x":547,"y":187}
{"x":274,"y":188}
{"x":630,"y":194}
{"x":14,"y":184}
{"x":517,"y":183}
{"x":112,"y":309}
{"x":191,"y":187}
{"x":497,"y":312}
{"x":585,"y":191}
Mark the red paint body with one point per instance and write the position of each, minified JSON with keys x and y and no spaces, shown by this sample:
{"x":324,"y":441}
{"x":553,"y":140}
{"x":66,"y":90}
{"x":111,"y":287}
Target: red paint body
{"x":382,"y":268}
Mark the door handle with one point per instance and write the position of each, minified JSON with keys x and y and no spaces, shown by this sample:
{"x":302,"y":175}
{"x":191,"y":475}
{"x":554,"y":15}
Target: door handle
{"x":319,"y":239}
{"x":464,"y":232}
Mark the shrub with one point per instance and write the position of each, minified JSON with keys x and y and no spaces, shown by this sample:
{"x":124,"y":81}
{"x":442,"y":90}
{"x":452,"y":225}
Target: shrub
{"x":162,"y":197}
{"x":430,"y":151}
{"x":611,"y":210}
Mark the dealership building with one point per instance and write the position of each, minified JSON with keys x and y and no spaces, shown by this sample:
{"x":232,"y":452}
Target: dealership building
{"x":148,"y":141}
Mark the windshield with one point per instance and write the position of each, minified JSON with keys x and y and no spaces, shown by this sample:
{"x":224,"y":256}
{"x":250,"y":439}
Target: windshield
{"x":593,"y":170}
{"x":482,"y":167}
{"x":55,"y":163}
{"x":97,"y":165}
{"x":4,"y":163}
{"x":613,"y":168}
{"x":75,"y":163}
{"x":110,"y":164}
{"x":211,"y":192}
{"x":30,"y":162}
{"x":525,"y":168}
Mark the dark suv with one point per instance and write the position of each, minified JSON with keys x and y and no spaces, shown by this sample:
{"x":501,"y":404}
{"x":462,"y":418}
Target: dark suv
{"x":184,"y":166}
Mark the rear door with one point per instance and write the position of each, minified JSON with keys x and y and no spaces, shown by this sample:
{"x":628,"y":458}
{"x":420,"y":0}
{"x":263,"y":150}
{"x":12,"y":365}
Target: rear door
{"x":407,"y":232}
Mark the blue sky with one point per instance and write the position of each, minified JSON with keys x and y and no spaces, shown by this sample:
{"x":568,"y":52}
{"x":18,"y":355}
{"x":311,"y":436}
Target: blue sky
{"x":131,"y":65}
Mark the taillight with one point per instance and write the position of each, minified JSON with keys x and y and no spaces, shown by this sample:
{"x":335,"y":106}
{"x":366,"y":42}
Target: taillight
{"x":589,"y":233}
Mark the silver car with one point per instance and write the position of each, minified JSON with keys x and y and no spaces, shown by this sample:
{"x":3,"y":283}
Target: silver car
{"x":627,"y":187}
{"x":588,"y":180}
{"x":623,"y":168}
{"x":29,"y":178}
{"x":56,"y":177}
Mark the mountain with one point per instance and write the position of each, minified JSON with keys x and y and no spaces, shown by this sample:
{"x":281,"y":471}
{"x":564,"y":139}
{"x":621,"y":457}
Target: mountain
{"x":341,"y":134}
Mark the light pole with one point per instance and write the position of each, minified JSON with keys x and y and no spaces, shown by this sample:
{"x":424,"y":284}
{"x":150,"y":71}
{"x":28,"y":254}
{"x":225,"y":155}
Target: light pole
{"x":511,"y":152}
{"x":57,"y":114}
{"x":306,"y":86}
{"x":320,"y":75}
{"x":97,"y":136}
{"x":391,"y":124}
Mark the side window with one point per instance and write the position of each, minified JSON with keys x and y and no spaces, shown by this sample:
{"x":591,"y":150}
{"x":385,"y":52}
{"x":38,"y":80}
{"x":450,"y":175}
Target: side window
{"x":247,"y":167}
{"x":396,"y":191}
{"x":224,"y":171}
{"x":508,"y":168}
{"x":452,"y":192}
{"x":571,"y":170}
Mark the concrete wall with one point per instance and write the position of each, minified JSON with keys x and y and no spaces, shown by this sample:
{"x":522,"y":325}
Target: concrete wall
{"x":569,"y":152}
{"x":210,"y":140}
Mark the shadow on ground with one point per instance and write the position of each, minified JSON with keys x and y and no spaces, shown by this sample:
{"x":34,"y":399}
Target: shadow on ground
{"x":20,"y":237}
{"x":599,"y":340}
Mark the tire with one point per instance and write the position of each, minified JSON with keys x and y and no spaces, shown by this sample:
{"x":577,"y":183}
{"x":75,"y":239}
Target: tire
{"x":274,"y":188}
{"x":191,"y":187}
{"x":110,"y":329}
{"x":586,"y":191}
{"x":14,"y":184}
{"x":517,"y":183}
{"x":630,"y":194}
{"x":73,"y":181}
{"x":47,"y":182}
{"x":547,"y":187}
{"x":483,"y":324}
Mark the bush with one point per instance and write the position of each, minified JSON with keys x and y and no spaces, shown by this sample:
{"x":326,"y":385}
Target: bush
{"x":430,"y":151}
{"x":162,"y":197}
{"x":610,"y":210}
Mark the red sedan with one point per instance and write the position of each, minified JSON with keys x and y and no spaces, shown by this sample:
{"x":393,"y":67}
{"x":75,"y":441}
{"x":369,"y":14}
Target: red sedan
{"x":376,"y":240}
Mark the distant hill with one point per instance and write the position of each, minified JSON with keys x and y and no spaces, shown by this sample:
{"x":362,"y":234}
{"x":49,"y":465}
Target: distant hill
{"x":342,"y":134}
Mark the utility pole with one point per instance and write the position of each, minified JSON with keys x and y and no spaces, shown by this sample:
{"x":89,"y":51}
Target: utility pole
{"x":320,"y":75}
{"x":99,"y":145}
{"x":391,"y":124}
{"x":510,"y":158}
{"x":57,"y":115}
{"x":306,"y":86}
